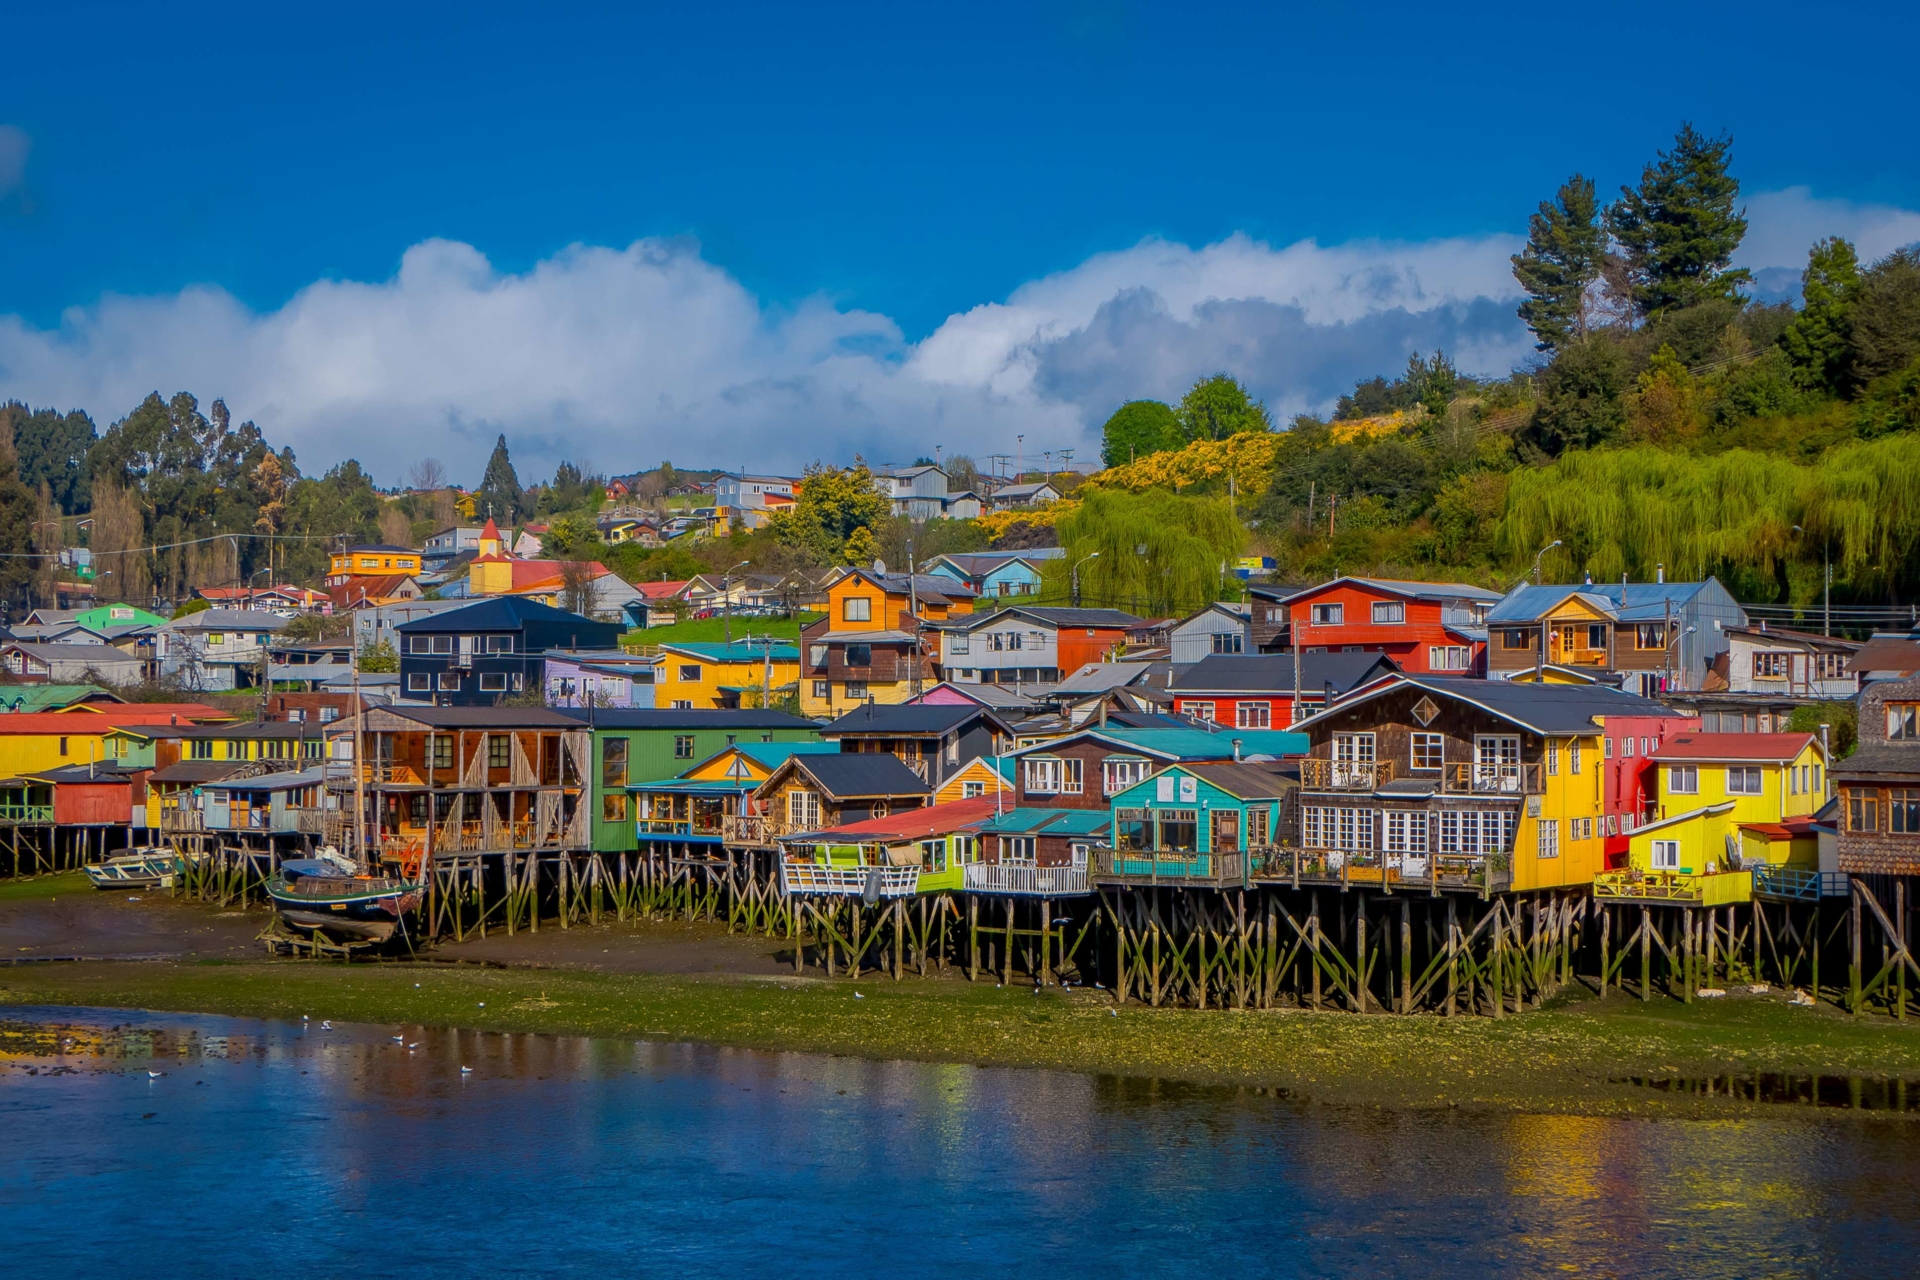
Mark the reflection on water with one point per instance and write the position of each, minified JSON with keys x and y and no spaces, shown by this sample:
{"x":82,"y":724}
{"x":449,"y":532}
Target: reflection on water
{"x":1858,"y":1093}
{"x":210,"y":1145}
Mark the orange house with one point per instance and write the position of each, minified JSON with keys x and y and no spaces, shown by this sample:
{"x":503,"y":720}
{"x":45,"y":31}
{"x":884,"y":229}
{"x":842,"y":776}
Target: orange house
{"x":872,"y":645}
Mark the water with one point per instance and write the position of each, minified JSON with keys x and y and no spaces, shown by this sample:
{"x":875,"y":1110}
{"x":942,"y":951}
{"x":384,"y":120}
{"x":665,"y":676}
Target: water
{"x":282,"y":1148}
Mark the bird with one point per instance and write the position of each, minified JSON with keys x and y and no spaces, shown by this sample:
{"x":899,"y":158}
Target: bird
{"x":399,"y":1039}
{"x":155,"y":1075}
{"x":1113,"y":1013}
{"x":483,"y":1004}
{"x":858,"y":996}
{"x":304,"y":1018}
{"x":466,"y":1071}
{"x":414,"y":1045}
{"x":326,"y":1026}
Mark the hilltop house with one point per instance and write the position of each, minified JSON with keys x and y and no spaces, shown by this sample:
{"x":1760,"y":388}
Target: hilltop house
{"x":217,"y":649}
{"x":489,"y":650}
{"x":1651,"y":637}
{"x":1427,"y":628}
{"x":1029,"y":645}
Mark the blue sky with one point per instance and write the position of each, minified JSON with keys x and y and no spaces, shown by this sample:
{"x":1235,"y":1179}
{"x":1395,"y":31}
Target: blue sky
{"x":801,"y":232}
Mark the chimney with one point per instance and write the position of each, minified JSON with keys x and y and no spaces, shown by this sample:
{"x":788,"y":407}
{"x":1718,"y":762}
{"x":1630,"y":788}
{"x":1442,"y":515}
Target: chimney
{"x":1659,"y":573}
{"x":1236,"y":750}
{"x":1103,"y":711}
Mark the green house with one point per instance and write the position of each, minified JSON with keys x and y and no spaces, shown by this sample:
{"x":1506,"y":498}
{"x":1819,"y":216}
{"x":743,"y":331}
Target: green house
{"x":1197,"y":821}
{"x":639,"y":745}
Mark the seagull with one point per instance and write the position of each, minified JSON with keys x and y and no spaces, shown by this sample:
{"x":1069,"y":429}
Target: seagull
{"x":483,"y":1004}
{"x":155,"y":1075}
{"x":399,"y":1039}
{"x":466,"y":1071}
{"x":326,"y":1026}
{"x":858,"y":996}
{"x":304,"y":1018}
{"x":414,"y":1045}
{"x":1113,"y":1013}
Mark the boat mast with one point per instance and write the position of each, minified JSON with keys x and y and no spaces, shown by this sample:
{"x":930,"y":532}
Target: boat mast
{"x":361,"y":861}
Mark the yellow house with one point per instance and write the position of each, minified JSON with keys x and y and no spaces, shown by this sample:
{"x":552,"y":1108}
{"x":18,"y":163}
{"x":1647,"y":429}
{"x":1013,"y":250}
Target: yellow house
{"x":1729,"y":804}
{"x":696,"y":676}
{"x":871,"y":647}
{"x":376,"y":560}
{"x":978,"y":778}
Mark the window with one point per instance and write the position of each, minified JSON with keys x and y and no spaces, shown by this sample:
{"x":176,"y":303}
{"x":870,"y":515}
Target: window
{"x":1553,"y":757}
{"x":1449,"y":657}
{"x":1177,"y":829}
{"x":1819,"y":788}
{"x":683,"y":746}
{"x":1406,"y":831}
{"x":1650,"y":635}
{"x":449,"y":682}
{"x":1549,"y":846}
{"x":216,"y":638}
{"x":1770,"y":666}
{"x":499,"y":751}
{"x":1429,"y":752}
{"x":1071,"y":777}
{"x":1829,"y":666}
{"x":1325,"y":828}
{"x":613,"y":762}
{"x":878,"y":809}
{"x":1117,"y":773}
{"x":1017,"y":850}
{"x":1258,"y":825}
{"x":803,"y":807}
{"x":856,"y":690}
{"x":499,"y":644}
{"x":933,"y":855}
{"x":1903,"y":720}
{"x":856,"y":609}
{"x":682,"y":704}
{"x":1229,"y":642}
{"x":859,"y":655}
{"x":1005,"y":641}
{"x":493,"y":682}
{"x":1903,"y":812}
{"x":613,"y":807}
{"x":958,"y":643}
{"x":1683,"y":779}
{"x":1516,"y":638}
{"x":1743,"y":780}
{"x":1389,"y":613}
{"x":1606,"y":748}
{"x":1353,"y":759}
{"x":1573,"y":756}
{"x":823,"y":689}
{"x":443,"y":751}
{"x":1329,"y":615}
{"x":971,"y":790}
{"x":689,"y":673}
{"x":816,"y":656}
{"x":1043,"y":775}
{"x":442,"y":644}
{"x":1253,"y":715}
{"x":1596,"y":635}
{"x":1198,"y":711}
{"x":1496,"y":762}
{"x":1626,"y":747}
{"x":1666,"y":855}
{"x":1863,"y":811}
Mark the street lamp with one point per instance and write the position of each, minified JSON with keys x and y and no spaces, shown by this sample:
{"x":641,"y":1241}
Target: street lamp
{"x":1668,"y":655}
{"x":1826,"y":591}
{"x":1536,"y":559}
{"x":1075,"y":572}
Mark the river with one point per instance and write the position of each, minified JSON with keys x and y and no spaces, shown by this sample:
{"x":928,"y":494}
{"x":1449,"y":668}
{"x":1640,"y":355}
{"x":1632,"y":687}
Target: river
{"x":169,"y":1145}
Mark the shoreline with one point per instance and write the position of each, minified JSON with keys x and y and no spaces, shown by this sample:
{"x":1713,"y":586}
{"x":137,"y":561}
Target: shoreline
{"x":1574,"y":1057}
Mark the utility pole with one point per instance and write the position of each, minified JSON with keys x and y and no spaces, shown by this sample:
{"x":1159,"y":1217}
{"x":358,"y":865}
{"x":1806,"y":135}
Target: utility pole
{"x":913,"y":607}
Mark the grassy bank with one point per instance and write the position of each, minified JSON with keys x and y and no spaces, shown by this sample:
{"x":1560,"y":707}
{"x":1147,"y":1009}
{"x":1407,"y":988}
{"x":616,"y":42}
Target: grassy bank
{"x":1567,"y":1058}
{"x":40,"y":888}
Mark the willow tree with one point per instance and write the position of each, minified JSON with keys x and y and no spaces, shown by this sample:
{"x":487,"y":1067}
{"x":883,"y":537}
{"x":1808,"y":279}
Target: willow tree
{"x":1159,"y":553}
{"x":1861,"y":505}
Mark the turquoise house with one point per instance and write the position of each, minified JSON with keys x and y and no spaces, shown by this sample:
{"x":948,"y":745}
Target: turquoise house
{"x":1007,"y":574}
{"x":1205,"y":822}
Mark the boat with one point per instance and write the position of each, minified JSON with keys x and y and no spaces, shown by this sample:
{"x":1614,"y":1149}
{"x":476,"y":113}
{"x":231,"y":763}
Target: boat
{"x":328,"y":893}
{"x":146,"y":867}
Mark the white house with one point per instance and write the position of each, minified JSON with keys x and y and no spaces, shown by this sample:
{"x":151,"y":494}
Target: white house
{"x":743,"y":492}
{"x":217,"y":649}
{"x":1800,"y":664}
{"x":1218,"y":628}
{"x":70,"y":663}
{"x":1035,"y":494}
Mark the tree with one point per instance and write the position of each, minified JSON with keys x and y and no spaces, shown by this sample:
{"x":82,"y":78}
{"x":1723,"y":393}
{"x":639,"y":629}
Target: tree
{"x":1371,"y":398}
{"x":571,"y":536}
{"x":52,"y":450}
{"x":1886,"y":316}
{"x":1679,"y":228}
{"x":861,"y":547}
{"x":1667,"y":401}
{"x":499,"y":496}
{"x":1138,"y":428}
{"x":832,"y":504}
{"x":1218,"y":407}
{"x":963,"y":473}
{"x":1431,"y":383}
{"x":377,"y":658}
{"x":427,"y":475}
{"x":1159,"y":553}
{"x":1582,"y":396}
{"x":576,"y":587}
{"x":1565,"y":252}
{"x":1819,"y":339}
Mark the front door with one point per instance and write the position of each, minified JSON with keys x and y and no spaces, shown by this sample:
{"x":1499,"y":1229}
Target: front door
{"x":1226,"y":831}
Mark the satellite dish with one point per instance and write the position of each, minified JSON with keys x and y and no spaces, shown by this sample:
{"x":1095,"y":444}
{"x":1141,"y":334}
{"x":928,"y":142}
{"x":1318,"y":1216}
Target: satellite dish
{"x":879,"y":565}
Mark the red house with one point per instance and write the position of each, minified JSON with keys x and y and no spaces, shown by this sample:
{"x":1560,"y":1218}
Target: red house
{"x":1428,"y":628}
{"x":1256,"y":691}
{"x":1631,"y":785}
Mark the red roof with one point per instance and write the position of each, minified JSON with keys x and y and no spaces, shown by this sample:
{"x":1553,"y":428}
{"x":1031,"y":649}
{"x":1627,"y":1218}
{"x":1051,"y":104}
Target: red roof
{"x":489,"y":529}
{"x":916,"y":824}
{"x":660,"y":590}
{"x":1733,"y":746}
{"x":99,"y":721}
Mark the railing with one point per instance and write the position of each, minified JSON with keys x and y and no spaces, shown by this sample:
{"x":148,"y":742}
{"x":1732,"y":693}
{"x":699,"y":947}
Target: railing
{"x":309,"y":822}
{"x":1172,"y":866}
{"x":1713,"y":889}
{"x":182,"y":819}
{"x":384,"y":771}
{"x":1798,"y":884}
{"x":677,"y":827}
{"x":1490,"y":872}
{"x":1485,"y":778}
{"x":1345,"y":775}
{"x":1039,"y":882}
{"x":26,"y":814}
{"x":813,"y":878}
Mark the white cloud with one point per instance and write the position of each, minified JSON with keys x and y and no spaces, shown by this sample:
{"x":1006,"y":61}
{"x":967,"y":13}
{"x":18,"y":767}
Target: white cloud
{"x":1783,"y":225}
{"x":14,"y":146}
{"x":623,"y":357}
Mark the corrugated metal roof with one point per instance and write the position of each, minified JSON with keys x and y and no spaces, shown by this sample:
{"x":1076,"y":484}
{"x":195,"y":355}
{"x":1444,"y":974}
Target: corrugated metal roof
{"x":870,"y":773}
{"x":1273,"y":673}
{"x":1733,"y":746}
{"x":1547,"y":709}
{"x":910,"y":717}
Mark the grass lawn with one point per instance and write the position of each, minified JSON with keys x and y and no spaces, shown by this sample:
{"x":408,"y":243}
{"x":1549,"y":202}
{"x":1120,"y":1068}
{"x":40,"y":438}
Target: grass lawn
{"x":715,"y":630}
{"x":39,"y":888}
{"x":1570,"y":1057}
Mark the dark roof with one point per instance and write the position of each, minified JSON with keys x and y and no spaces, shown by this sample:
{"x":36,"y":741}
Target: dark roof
{"x":915,"y":717}
{"x":1547,"y":709}
{"x":1877,"y":759}
{"x":1273,"y":672}
{"x":481,"y":717}
{"x":644,"y":718}
{"x":1887,"y":653}
{"x":198,"y":771}
{"x":1247,"y":781}
{"x":501,"y":613}
{"x":870,"y":773}
{"x":1388,"y":586}
{"x":105,"y":774}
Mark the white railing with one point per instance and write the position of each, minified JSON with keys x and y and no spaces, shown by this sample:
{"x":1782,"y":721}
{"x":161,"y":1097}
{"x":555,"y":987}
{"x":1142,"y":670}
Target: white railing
{"x":813,"y":878}
{"x":1039,"y":882}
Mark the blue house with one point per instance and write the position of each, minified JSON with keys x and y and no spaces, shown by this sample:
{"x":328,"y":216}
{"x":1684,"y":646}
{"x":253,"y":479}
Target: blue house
{"x":1004,"y":574}
{"x":1207,"y":823}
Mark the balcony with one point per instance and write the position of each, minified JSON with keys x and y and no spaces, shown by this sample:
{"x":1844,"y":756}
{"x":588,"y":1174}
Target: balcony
{"x":813,"y":879}
{"x":182,"y":819}
{"x":699,"y":829}
{"x":1173,"y":866}
{"x":1796,"y":884}
{"x":1485,"y":872}
{"x":1488,"y":778}
{"x":27,"y":815}
{"x":1023,"y":881}
{"x":377,"y":771}
{"x":1680,"y":888}
{"x":1345,"y":775}
{"x":754,"y":830}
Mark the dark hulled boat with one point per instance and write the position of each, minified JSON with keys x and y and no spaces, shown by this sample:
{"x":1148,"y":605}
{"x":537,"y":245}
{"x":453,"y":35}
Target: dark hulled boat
{"x":326,"y":892}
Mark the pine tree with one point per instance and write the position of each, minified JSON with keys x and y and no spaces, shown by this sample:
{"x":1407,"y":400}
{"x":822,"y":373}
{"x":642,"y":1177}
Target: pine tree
{"x":500,"y":495}
{"x":1679,"y":228}
{"x":1819,"y":340}
{"x":1565,"y":252}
